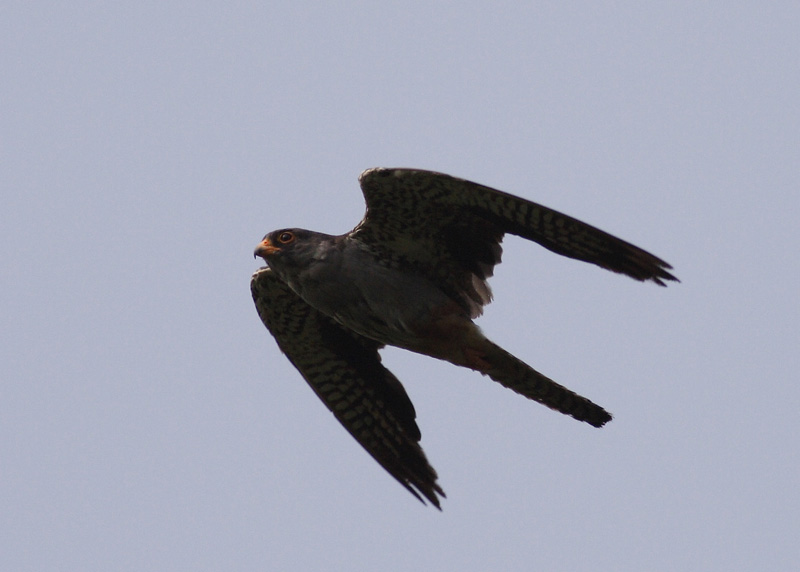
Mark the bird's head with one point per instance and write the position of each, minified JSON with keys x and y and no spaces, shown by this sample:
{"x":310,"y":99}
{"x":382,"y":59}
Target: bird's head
{"x":291,"y":249}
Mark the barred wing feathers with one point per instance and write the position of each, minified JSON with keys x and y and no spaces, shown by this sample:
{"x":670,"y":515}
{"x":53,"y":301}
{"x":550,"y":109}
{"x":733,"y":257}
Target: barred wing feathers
{"x":344,"y":369}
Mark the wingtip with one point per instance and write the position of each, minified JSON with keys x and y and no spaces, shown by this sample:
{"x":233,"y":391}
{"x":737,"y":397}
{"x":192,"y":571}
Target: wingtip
{"x":430,"y":494}
{"x":662,"y":278}
{"x":433,"y":498}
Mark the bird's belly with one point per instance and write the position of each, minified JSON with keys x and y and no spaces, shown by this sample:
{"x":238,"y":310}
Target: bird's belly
{"x":391,"y":307}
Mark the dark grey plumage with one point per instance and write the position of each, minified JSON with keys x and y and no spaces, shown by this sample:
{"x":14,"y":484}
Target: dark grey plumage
{"x":345,"y":371}
{"x":413,"y":274}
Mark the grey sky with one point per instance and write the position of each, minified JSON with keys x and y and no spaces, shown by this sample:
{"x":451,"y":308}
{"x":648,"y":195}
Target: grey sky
{"x":148,"y":420}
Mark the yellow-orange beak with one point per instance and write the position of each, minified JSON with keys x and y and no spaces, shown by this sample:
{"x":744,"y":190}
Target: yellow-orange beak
{"x":265,"y":248}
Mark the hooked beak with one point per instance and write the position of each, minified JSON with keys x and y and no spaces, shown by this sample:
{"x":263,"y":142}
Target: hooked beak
{"x":265,"y":248}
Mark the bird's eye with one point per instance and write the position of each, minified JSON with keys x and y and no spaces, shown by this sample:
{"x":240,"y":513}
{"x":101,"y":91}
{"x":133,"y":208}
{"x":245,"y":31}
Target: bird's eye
{"x":285,"y":237}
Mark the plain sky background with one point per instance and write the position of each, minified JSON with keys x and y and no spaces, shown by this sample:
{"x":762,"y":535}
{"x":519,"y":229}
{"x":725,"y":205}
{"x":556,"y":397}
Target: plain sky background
{"x":148,"y":421}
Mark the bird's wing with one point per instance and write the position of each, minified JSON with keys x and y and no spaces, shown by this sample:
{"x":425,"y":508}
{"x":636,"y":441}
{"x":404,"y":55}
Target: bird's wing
{"x":344,"y":369}
{"x":451,"y":229}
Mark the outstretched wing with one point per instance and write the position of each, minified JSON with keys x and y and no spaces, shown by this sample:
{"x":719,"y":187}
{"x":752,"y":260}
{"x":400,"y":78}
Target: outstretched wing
{"x":345,"y":371}
{"x":451,"y":229}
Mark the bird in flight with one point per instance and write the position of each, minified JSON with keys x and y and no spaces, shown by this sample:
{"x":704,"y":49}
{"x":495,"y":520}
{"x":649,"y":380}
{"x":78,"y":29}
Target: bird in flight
{"x":413,"y":274}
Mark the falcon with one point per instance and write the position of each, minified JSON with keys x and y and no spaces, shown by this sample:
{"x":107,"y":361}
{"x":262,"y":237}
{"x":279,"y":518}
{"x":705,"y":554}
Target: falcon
{"x":413,"y":274}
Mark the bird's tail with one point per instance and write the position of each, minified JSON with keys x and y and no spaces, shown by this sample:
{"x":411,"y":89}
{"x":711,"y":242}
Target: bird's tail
{"x":504,"y":368}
